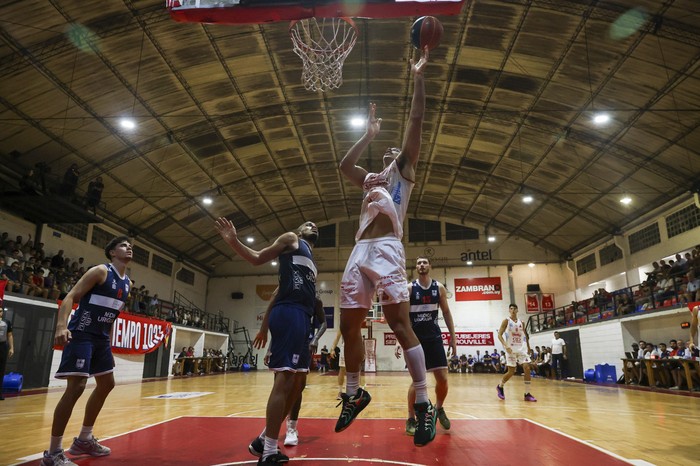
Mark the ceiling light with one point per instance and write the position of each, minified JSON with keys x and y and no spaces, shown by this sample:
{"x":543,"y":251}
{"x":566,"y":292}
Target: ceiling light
{"x":491,"y":239}
{"x":357,"y":122}
{"x":273,"y":263}
{"x":527,"y":199}
{"x":626,"y":200}
{"x":127,"y":123}
{"x":207,"y":201}
{"x":601,"y":118}
{"x":249,"y":239}
{"x":531,"y":264}
{"x":470,"y":263}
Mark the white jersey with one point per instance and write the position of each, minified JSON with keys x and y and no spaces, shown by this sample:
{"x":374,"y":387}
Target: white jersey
{"x":385,"y":193}
{"x":515,"y":336}
{"x":558,"y":345}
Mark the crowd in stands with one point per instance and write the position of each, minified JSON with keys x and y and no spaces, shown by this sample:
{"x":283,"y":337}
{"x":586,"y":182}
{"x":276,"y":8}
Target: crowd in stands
{"x":669,"y":283}
{"x":668,"y":371}
{"x":495,"y":362}
{"x":29,"y":270}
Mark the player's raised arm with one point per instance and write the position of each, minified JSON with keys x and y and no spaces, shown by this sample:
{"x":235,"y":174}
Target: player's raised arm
{"x":348,"y":166}
{"x":410,"y":149}
{"x":286,"y":242}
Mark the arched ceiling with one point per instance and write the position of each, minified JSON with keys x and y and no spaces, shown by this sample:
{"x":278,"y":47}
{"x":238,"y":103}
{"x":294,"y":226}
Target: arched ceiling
{"x":511,"y":93}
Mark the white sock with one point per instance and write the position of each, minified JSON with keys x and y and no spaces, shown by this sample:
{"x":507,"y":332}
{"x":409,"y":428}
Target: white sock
{"x":85,"y":433}
{"x":262,"y":435}
{"x":527,"y":387}
{"x":352,"y":383}
{"x":56,"y":444}
{"x":270,"y":447}
{"x":415,"y":360}
{"x":291,"y":424}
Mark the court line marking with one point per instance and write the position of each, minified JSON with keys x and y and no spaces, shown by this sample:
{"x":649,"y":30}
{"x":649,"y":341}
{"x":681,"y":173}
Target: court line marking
{"x":601,"y":449}
{"x":41,"y":455}
{"x":345,"y":458}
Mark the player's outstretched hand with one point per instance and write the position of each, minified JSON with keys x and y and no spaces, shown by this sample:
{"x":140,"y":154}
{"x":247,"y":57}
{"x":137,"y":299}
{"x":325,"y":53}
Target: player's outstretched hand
{"x":373,"y":123}
{"x":226,"y":229}
{"x":419,"y":66}
{"x":260,"y":340}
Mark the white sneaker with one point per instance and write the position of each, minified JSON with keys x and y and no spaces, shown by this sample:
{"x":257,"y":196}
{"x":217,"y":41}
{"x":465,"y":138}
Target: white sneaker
{"x":56,"y":458}
{"x":292,"y":438}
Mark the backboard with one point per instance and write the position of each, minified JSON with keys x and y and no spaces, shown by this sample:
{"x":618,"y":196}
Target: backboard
{"x":266,"y":11}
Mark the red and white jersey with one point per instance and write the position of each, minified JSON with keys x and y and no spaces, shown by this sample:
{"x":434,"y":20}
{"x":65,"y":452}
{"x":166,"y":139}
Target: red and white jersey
{"x":515,"y":336}
{"x":385,"y":193}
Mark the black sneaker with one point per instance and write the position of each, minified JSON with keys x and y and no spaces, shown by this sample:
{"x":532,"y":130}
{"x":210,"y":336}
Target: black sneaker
{"x":442,"y":417}
{"x":256,"y":447}
{"x":277,"y":458}
{"x":425,"y":431}
{"x":352,"y":406}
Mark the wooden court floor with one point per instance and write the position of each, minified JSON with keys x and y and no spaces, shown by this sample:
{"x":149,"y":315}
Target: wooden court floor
{"x":657,"y":428}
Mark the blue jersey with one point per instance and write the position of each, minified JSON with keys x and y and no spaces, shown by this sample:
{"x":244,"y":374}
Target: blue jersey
{"x":99,"y":308}
{"x":297,"y":278}
{"x":424,"y":310}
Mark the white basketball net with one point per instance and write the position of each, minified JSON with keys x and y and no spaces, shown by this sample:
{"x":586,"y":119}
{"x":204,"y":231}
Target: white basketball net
{"x":323,"y":45}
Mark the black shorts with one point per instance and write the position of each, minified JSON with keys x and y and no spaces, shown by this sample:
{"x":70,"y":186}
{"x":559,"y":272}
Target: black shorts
{"x":435,"y":357}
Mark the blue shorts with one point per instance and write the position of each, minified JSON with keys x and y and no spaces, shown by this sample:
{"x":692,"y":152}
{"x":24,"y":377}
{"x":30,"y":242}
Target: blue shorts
{"x":435,"y":357}
{"x":290,"y":327}
{"x":86,"y":358}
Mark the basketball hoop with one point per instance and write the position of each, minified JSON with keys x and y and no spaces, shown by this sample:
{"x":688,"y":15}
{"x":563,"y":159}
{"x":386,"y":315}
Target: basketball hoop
{"x":323,"y":45}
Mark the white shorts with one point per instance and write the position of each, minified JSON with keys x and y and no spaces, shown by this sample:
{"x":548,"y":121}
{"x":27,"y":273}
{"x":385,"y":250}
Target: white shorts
{"x":517,"y":357}
{"x":378,"y":266}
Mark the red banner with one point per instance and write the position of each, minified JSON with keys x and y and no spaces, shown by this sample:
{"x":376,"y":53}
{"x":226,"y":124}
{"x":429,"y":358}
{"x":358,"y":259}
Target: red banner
{"x":547,"y":301}
{"x":3,"y":283}
{"x":478,"y":289}
{"x":132,"y":334}
{"x":463,"y":338}
{"x":532,"y":302}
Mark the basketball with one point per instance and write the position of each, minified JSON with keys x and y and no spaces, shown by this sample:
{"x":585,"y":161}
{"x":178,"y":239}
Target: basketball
{"x":426,"y":31}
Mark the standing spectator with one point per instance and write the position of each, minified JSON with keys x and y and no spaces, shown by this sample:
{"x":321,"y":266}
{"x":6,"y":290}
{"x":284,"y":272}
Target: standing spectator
{"x":558,"y":356}
{"x":57,"y":260}
{"x":70,"y":181}
{"x":87,"y":352}
{"x":323,"y":363}
{"x":94,"y":193}
{"x":7,"y":346}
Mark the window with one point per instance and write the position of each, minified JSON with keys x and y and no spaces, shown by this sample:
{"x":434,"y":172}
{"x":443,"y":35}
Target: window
{"x":585,"y":264}
{"x":140,"y":255}
{"x":644,"y":238}
{"x":458,"y":232}
{"x":185,"y":276}
{"x":100,"y":237}
{"x":162,"y":265}
{"x":420,"y":231}
{"x":609,"y":254}
{"x":326,"y":237}
{"x":684,"y":220}
{"x":76,"y":230}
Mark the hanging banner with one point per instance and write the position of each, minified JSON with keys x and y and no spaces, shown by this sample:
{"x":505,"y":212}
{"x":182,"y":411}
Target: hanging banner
{"x":3,"y":284}
{"x":548,"y":301}
{"x":532,"y":302}
{"x":134,"y":334}
{"x":478,"y":289}
{"x":463,"y":338}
